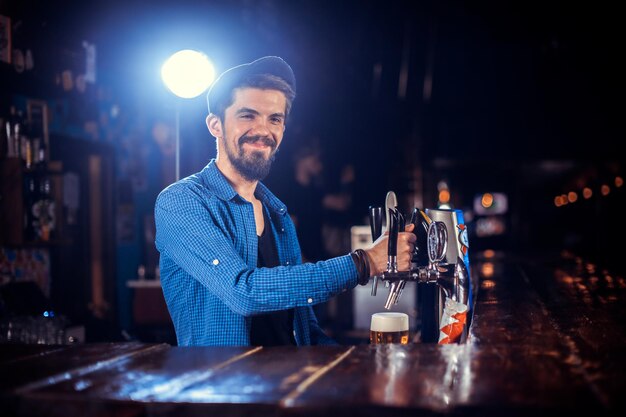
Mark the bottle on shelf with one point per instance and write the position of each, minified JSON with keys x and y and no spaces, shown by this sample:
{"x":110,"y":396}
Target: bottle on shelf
{"x":41,"y":154}
{"x":45,"y":209}
{"x":31,"y":191}
{"x":39,"y":207}
{"x":3,"y":139}
{"x":13,"y":129}
{"x":38,"y":150}
{"x":39,"y":203}
{"x":26,"y":139}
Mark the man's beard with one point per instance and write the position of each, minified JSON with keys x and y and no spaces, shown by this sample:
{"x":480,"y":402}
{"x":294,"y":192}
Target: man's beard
{"x":252,"y":166}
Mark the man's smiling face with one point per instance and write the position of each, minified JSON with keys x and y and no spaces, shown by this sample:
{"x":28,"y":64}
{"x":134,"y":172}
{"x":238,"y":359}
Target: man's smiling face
{"x":253,"y":129}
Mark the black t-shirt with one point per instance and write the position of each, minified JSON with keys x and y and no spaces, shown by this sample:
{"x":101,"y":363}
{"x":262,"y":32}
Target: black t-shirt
{"x":274,"y":328}
{"x":305,"y":203}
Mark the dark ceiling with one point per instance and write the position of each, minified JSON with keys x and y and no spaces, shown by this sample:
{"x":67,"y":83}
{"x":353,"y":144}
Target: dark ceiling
{"x":484,"y":81}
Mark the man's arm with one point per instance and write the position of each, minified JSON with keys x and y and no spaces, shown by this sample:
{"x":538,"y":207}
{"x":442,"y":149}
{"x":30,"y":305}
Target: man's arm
{"x":203,"y":249}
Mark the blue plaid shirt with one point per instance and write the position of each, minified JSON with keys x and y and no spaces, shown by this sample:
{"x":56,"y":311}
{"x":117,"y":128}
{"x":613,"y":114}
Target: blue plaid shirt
{"x":206,"y":236}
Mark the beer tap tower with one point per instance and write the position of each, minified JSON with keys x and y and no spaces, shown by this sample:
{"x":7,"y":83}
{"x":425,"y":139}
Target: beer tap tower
{"x":440,"y":258}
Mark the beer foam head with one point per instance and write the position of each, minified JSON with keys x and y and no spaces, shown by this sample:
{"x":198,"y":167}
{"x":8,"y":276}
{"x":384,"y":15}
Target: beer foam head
{"x":389,"y":322}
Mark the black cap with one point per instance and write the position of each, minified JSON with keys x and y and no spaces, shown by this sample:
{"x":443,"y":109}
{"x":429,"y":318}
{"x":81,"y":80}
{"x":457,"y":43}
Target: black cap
{"x":232,"y":77}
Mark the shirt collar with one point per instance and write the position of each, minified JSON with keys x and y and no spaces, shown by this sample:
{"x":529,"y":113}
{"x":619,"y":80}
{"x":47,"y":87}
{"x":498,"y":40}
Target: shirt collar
{"x":269,"y":199}
{"x":211,"y":174}
{"x":213,"y":178}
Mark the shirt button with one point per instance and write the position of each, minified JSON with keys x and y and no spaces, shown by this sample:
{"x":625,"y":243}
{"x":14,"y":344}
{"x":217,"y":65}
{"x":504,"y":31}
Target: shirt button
{"x":282,"y":229}
{"x":287,"y":263}
{"x":216,"y":261}
{"x":310,"y":300}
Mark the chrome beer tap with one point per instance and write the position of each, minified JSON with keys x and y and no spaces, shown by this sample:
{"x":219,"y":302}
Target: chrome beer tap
{"x":452,"y":278}
{"x":428,"y":263}
{"x":392,"y":253}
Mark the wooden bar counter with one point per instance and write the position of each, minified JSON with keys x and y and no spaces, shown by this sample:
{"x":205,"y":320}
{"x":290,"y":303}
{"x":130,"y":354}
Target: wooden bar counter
{"x":546,"y":339}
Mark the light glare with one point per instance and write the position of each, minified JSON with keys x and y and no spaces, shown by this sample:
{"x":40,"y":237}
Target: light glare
{"x":444,"y":196}
{"x":605,"y":189}
{"x":572,"y":197}
{"x":487,"y":200}
{"x":188,"y":73}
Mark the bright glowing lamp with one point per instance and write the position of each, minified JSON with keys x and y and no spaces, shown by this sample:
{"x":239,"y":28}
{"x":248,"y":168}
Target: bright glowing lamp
{"x":187,"y":74}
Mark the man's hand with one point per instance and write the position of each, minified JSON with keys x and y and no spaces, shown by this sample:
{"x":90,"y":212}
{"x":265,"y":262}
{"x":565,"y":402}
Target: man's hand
{"x":378,"y":256}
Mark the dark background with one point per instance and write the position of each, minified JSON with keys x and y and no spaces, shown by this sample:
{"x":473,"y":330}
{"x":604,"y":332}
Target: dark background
{"x":519,"y":97}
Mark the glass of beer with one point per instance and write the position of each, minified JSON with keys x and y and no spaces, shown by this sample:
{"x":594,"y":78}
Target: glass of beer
{"x":389,"y":327}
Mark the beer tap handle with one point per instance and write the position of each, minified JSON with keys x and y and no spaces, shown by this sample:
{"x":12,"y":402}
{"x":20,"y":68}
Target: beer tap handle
{"x":421,"y":222}
{"x":391,"y":203}
{"x":376,"y":225}
{"x":392,"y":245}
{"x":414,"y":216}
{"x":392,"y":253}
{"x":376,"y":222}
{"x":400,"y":226}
